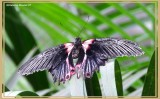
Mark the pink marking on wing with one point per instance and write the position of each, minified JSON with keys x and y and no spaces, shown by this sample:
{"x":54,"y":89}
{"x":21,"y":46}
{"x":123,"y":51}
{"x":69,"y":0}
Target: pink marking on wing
{"x":72,"y":68}
{"x":67,"y":61}
{"x":87,"y":43}
{"x":72,"y":71}
{"x":69,"y":47}
{"x":78,"y":66}
{"x":85,"y":57}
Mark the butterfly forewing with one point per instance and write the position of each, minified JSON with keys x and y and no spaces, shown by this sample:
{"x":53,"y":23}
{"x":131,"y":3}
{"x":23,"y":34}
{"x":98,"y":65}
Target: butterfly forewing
{"x":57,"y":61}
{"x":39,"y":62}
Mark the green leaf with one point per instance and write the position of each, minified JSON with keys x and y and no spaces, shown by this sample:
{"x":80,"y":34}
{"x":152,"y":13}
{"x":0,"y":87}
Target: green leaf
{"x":27,"y":93}
{"x":103,"y":19}
{"x":5,"y":88}
{"x":23,"y":42}
{"x":92,"y":86}
{"x":133,"y":18}
{"x":34,"y":17}
{"x":133,"y":78}
{"x":151,"y":15}
{"x":149,"y":85}
{"x":15,"y":76}
{"x":118,"y":78}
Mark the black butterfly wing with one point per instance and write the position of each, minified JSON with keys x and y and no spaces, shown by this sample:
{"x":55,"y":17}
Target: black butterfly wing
{"x":56,"y":60}
{"x":97,"y":51}
{"x":63,"y":67}
{"x":113,"y":47}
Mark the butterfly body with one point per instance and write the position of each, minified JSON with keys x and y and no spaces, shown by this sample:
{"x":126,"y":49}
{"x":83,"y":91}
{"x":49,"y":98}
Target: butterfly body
{"x":76,"y":48}
{"x":90,"y":55}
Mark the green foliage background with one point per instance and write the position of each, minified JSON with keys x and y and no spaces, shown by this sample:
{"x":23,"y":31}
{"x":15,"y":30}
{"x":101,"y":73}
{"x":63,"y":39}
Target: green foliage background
{"x":35,"y":27}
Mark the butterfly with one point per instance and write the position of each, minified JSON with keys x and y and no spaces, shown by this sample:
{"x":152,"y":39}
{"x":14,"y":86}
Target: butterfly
{"x":90,"y":55}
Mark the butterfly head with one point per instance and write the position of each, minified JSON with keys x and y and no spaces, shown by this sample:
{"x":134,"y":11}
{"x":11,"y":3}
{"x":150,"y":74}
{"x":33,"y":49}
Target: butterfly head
{"x":77,"y":41}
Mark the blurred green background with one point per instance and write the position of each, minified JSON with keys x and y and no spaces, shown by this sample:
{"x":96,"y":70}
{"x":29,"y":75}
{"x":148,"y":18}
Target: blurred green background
{"x":33,"y":27}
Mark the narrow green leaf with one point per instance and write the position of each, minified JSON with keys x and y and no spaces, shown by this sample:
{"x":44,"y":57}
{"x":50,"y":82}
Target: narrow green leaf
{"x":103,"y":19}
{"x":52,"y":16}
{"x":54,"y":34}
{"x":149,"y":85}
{"x":92,"y":86}
{"x":118,"y":78}
{"x":78,"y":20}
{"x":123,"y":10}
{"x":133,"y":78}
{"x":151,"y":15}
{"x":27,"y":93}
{"x":18,"y":35}
{"x":12,"y":93}
{"x":137,"y":92}
{"x":15,"y":76}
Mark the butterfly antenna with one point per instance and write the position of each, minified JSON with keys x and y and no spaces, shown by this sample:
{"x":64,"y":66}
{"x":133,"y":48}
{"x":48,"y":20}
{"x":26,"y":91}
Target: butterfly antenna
{"x":82,"y":29}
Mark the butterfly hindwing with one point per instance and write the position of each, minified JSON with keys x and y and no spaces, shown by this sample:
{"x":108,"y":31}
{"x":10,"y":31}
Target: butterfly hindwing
{"x":63,"y":69}
{"x":90,"y":61}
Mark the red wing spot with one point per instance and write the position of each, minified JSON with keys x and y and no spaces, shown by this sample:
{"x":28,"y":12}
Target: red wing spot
{"x":67,"y":77}
{"x":61,"y":80}
{"x":88,"y":75}
{"x":72,"y":72}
